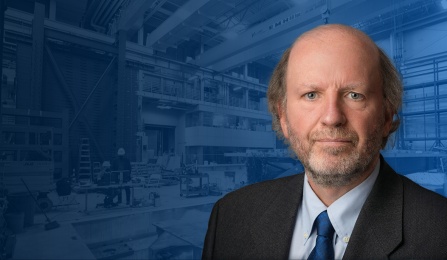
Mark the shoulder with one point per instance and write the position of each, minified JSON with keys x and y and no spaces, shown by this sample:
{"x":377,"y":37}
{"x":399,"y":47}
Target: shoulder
{"x":418,"y":200}
{"x":263,"y":190}
{"x":414,"y":196}
{"x":424,"y":222}
{"x":250,"y":222}
{"x":255,"y":198}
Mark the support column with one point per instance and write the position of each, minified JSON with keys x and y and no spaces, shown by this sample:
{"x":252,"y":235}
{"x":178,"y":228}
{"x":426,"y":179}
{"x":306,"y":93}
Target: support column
{"x":202,"y":89}
{"x":437,"y":107}
{"x":396,"y":47}
{"x":226,"y":93}
{"x":37,"y":55}
{"x":122,"y":99}
{"x":246,"y":97}
{"x":200,"y":155}
{"x":2,"y":26}
{"x":141,"y":138}
{"x":162,"y":85}
{"x":52,"y":15}
{"x":141,"y":36}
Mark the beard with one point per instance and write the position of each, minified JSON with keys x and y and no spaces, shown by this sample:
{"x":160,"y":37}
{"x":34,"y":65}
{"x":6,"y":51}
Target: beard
{"x":336,"y":166}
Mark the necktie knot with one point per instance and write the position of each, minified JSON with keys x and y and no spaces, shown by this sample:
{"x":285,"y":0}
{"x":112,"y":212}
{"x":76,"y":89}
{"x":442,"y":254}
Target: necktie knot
{"x":324,"y":225}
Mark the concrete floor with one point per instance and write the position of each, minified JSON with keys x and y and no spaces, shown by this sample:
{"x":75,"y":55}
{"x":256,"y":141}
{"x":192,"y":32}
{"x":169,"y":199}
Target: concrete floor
{"x":65,"y":242}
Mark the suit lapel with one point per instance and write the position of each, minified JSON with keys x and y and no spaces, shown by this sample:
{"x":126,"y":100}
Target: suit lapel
{"x":272,"y":233}
{"x":378,"y":230}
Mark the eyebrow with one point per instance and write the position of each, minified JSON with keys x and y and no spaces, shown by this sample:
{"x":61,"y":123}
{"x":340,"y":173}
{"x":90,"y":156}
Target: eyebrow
{"x":352,"y":86}
{"x":343,"y":88}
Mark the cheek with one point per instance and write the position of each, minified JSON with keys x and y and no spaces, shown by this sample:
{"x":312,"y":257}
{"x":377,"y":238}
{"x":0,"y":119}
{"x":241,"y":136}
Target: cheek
{"x":300,"y":122}
{"x":367,"y":125}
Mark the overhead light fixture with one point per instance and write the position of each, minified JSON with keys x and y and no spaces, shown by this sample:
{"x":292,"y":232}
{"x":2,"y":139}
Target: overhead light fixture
{"x":164,"y":107}
{"x":193,"y":77}
{"x":444,"y":4}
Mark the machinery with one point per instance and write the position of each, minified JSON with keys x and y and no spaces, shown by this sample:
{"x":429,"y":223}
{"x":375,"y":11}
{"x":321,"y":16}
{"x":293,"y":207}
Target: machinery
{"x":194,"y":185}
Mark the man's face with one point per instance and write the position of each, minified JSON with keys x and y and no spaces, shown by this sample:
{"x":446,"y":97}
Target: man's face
{"x":334,"y":116}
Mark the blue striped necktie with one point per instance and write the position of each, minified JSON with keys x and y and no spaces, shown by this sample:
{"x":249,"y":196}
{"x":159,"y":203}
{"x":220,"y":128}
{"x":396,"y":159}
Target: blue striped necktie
{"x":324,"y":248}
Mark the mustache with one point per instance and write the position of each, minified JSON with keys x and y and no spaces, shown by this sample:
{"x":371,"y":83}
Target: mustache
{"x":344,"y":134}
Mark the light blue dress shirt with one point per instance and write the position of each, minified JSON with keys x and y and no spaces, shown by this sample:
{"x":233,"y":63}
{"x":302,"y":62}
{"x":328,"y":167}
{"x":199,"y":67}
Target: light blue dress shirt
{"x":343,"y":214}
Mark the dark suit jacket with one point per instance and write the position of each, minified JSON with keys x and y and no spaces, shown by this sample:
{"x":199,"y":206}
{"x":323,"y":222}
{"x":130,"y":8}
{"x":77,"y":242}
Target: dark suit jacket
{"x":399,"y":220}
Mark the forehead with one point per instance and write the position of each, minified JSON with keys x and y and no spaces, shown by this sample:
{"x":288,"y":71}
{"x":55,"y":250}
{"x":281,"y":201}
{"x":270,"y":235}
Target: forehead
{"x":337,"y":37}
{"x":332,"y":55}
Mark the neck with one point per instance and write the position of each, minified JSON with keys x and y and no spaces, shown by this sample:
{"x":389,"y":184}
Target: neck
{"x":329,"y":194}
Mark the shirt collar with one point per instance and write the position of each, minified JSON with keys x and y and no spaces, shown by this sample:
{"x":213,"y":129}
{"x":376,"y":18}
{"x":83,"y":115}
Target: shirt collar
{"x":343,"y":212}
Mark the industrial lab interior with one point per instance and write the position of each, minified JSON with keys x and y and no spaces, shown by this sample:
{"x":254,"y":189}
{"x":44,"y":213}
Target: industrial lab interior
{"x":124,"y":121}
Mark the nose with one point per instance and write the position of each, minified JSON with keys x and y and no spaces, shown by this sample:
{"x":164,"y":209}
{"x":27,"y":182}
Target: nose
{"x":333,"y":114}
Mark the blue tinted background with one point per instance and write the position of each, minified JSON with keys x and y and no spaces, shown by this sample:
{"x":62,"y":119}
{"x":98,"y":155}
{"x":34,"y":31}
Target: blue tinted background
{"x":180,"y":85}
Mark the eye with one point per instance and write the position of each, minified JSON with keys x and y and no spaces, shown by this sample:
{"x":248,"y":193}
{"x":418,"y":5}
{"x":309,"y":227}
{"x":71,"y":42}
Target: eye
{"x":311,"y":95}
{"x":355,"y":96}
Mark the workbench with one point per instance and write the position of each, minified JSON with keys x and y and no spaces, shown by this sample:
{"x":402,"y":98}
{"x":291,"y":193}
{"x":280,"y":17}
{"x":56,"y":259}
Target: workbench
{"x":88,"y":188}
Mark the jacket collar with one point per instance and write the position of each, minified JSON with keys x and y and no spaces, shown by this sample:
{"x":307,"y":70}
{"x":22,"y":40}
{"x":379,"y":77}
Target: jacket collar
{"x":378,"y":229}
{"x":271,"y":234}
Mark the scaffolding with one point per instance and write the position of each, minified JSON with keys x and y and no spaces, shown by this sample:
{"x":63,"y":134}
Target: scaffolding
{"x":424,"y":107}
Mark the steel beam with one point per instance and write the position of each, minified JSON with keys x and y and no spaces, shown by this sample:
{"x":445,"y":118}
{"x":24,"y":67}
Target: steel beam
{"x":122,"y":100}
{"x":279,"y":32}
{"x":175,"y":20}
{"x":126,"y":123}
{"x":82,"y":41}
{"x":2,"y":29}
{"x":135,"y":14}
{"x":61,"y":31}
{"x":37,"y":55}
{"x":52,"y":11}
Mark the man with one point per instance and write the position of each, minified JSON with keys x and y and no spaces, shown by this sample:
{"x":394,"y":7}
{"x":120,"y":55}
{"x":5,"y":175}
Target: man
{"x":122,"y":165}
{"x":334,"y":97}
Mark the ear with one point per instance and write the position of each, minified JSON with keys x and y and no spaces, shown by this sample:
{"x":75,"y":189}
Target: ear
{"x":283,"y":120}
{"x":389,"y":116}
